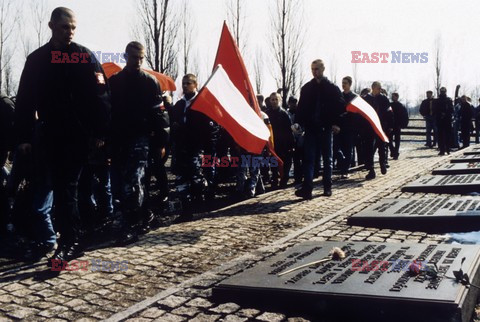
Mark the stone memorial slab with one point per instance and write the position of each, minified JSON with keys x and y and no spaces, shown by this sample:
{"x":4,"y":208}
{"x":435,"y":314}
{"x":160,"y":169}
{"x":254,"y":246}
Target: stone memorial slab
{"x":432,"y":215}
{"x":458,"y":168}
{"x":453,"y":184}
{"x":472,"y":152}
{"x":466,"y":158}
{"x":374,"y":282}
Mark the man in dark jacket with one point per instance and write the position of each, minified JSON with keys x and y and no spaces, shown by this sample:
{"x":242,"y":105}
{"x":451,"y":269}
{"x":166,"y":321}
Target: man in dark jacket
{"x":193,"y":133}
{"x":319,"y":107}
{"x":400,"y":120}
{"x":66,"y":86}
{"x":466,"y":116}
{"x":443,"y":111}
{"x":283,"y":138}
{"x":427,"y":110}
{"x":381,"y":105}
{"x":136,"y":100}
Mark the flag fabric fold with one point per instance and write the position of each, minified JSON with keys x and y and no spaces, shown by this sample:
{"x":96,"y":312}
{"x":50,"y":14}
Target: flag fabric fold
{"x":220,"y":100}
{"x":360,"y":106}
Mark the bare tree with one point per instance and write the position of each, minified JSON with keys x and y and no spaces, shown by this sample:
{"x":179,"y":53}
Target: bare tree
{"x":236,"y":20}
{"x":258,"y":70}
{"x":7,"y":26}
{"x":38,"y":16}
{"x":437,"y":63}
{"x":187,"y":37}
{"x":287,"y":42}
{"x":158,"y":28}
{"x":40,"y":20}
{"x":9,"y":84}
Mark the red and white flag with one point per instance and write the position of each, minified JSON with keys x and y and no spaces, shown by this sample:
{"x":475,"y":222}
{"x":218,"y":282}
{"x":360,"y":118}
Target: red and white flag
{"x":220,"y":100}
{"x":360,"y":106}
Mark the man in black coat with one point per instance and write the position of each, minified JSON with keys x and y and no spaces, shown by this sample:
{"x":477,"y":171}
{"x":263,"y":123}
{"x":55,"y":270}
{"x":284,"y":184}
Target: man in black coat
{"x":64,"y":84}
{"x":400,"y":120}
{"x":427,"y":111}
{"x":466,"y":115}
{"x":136,"y":118}
{"x":193,"y":133}
{"x":443,"y":111}
{"x":381,"y":105}
{"x":284,"y":141}
{"x":319,"y":108}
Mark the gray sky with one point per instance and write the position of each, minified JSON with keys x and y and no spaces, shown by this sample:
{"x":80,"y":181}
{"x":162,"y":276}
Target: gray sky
{"x":335,"y":28}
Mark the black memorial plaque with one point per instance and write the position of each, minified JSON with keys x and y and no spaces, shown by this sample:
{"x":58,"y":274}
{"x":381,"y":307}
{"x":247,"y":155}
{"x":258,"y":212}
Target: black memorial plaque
{"x":458,"y":168}
{"x":466,"y":158}
{"x":454,"y":184}
{"x":473,"y":150}
{"x":432,"y":215}
{"x":373,"y":282}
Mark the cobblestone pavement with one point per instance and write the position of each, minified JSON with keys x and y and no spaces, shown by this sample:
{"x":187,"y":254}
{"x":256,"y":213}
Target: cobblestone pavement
{"x":171,"y":270}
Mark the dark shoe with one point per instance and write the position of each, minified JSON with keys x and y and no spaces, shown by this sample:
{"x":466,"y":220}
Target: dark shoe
{"x":66,"y":253}
{"x":303,"y":193}
{"x":441,"y":153}
{"x":38,"y":250}
{"x":371,"y":175}
{"x":327,"y":193}
{"x":127,"y":239}
{"x":383,"y":168}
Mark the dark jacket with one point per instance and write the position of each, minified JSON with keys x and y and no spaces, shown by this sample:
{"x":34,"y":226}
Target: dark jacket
{"x":400,"y":115}
{"x":381,"y":104}
{"x":466,"y":115}
{"x":349,"y":122}
{"x":282,"y":129}
{"x":443,"y":110}
{"x":7,"y":110}
{"x":425,"y":107}
{"x":136,"y":107}
{"x":191,"y":129}
{"x":320,"y":105}
{"x":72,"y":99}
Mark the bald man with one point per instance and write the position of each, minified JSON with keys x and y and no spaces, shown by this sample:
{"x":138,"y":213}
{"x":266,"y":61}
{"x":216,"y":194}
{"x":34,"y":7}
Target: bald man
{"x":64,"y":84}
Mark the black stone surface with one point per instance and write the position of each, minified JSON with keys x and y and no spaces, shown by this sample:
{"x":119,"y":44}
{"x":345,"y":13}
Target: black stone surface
{"x":373,"y":283}
{"x":431,"y":215}
{"x":458,"y":168}
{"x":453,"y":184}
{"x":466,"y":158}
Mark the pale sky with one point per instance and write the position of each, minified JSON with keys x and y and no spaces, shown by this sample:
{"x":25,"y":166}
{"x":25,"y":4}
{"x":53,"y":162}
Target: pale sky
{"x":335,"y":29}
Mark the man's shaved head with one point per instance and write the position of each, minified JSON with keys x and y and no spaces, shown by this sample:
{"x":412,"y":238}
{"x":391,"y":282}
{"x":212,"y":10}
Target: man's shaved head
{"x":60,"y":12}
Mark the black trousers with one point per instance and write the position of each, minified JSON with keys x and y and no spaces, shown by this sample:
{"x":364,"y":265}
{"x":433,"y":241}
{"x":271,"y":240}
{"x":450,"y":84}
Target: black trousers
{"x":394,"y":144}
{"x":372,"y":143}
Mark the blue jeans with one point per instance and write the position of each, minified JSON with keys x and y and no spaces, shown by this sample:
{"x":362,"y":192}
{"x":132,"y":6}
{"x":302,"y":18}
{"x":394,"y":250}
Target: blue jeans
{"x":130,"y":162}
{"x":431,"y":125}
{"x":42,"y":191}
{"x":317,"y":141}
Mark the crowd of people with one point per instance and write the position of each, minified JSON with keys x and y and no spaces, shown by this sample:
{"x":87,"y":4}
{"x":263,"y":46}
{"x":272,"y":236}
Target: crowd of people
{"x":445,"y":119}
{"x":84,"y":148}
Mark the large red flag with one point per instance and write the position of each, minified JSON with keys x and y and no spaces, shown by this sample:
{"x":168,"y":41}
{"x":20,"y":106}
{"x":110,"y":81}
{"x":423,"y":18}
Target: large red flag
{"x":220,"y":100}
{"x":228,"y":55}
{"x":230,"y":58}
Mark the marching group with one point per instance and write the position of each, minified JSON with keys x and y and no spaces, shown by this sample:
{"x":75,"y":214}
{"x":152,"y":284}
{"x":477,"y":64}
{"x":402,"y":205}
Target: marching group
{"x":78,"y":142}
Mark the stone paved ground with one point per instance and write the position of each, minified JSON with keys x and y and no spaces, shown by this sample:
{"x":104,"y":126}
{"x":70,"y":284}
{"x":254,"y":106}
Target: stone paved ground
{"x":171,"y":270}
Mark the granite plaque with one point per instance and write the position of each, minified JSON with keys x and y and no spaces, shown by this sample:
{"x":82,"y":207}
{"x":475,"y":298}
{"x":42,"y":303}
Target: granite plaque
{"x":454,"y":184}
{"x":466,"y":158}
{"x":374,"y":282}
{"x":458,"y":168}
{"x":432,"y":215}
